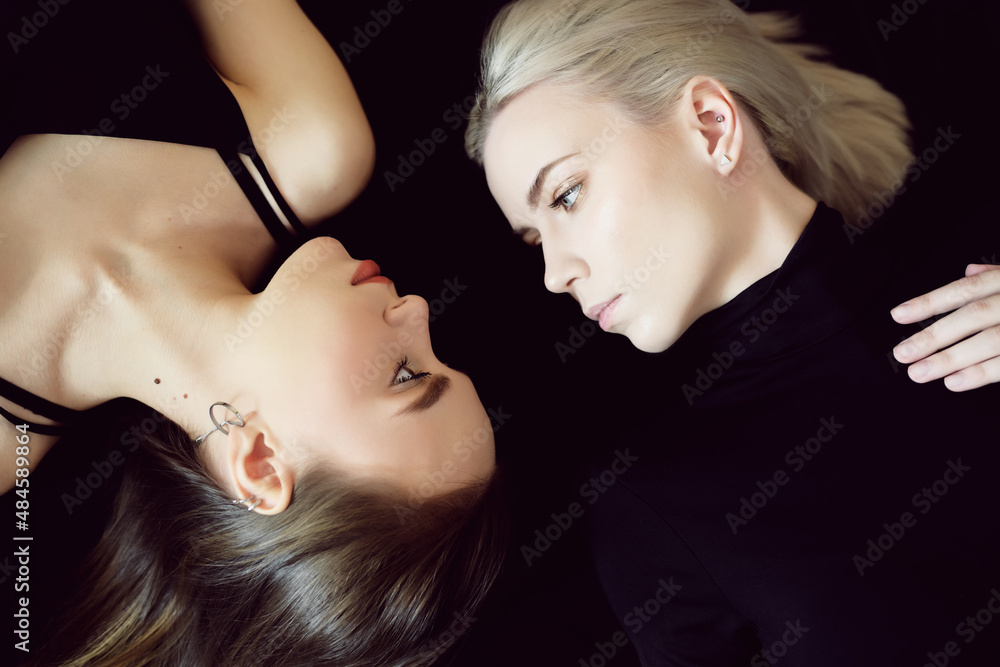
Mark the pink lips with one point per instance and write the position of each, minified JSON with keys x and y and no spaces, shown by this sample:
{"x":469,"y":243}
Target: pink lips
{"x":603,"y":312}
{"x":368,"y":272}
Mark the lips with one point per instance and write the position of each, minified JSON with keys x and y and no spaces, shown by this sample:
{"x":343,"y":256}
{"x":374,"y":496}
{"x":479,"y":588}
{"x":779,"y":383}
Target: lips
{"x":368,"y":272}
{"x":603,"y":312}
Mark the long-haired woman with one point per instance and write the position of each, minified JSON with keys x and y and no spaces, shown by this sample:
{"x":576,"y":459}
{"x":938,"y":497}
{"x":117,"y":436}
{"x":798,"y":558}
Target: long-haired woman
{"x":320,"y":489}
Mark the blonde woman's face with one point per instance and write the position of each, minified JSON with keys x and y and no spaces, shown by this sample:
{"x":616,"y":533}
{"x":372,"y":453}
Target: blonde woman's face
{"x":626,"y":217}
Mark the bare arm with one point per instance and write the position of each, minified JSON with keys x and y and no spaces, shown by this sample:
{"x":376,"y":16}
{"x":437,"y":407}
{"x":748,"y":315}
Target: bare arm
{"x":299,"y":103}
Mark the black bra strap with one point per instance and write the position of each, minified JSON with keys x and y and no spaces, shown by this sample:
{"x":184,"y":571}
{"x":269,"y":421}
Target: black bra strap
{"x":41,"y":429}
{"x":287,"y":240}
{"x":39,"y":406}
{"x":297,"y":227}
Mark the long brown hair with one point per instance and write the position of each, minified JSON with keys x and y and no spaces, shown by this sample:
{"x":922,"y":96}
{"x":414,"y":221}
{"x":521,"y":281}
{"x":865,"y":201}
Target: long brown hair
{"x":182,"y":576}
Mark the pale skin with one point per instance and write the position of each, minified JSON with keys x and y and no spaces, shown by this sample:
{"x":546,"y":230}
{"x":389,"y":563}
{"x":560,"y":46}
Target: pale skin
{"x":137,"y":302}
{"x":608,"y":210}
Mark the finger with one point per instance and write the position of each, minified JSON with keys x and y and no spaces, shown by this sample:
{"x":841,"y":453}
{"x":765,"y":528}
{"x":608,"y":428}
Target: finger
{"x":974,"y":376}
{"x":975,"y":269}
{"x":948,"y":298}
{"x":978,"y":316}
{"x":982,"y":347}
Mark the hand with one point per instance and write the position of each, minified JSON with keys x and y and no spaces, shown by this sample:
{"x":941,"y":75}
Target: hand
{"x":933,"y":353}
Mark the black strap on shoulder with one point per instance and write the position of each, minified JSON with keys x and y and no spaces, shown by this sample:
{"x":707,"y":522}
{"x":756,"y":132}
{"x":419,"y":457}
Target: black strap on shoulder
{"x":287,"y":239}
{"x":297,"y":227}
{"x":39,"y":406}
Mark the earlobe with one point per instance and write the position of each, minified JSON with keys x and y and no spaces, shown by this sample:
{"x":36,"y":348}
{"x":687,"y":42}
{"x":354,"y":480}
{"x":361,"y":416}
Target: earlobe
{"x":260,"y":470}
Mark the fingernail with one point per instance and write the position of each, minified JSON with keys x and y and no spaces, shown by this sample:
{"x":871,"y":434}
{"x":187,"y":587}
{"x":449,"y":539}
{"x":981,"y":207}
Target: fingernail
{"x":919,"y":370}
{"x":905,"y":349}
{"x":900,"y":311}
{"x":956,"y":381}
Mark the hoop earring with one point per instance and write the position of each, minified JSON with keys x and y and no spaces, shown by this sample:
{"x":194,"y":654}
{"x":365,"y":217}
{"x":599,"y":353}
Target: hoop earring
{"x":239,"y":421}
{"x":250,"y":502}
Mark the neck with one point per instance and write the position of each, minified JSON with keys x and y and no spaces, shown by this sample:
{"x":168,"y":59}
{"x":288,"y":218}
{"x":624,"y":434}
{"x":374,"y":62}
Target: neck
{"x":165,"y":339}
{"x":768,"y":215}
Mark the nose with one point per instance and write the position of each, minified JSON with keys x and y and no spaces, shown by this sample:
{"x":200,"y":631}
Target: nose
{"x":409,"y":311}
{"x":563,"y":266}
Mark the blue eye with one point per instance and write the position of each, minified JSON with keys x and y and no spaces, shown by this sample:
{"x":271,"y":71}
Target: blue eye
{"x":405,"y":374}
{"x":568,"y":198}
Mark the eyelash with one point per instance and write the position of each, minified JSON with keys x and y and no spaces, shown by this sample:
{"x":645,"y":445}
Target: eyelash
{"x":403,"y":365}
{"x":560,"y":199}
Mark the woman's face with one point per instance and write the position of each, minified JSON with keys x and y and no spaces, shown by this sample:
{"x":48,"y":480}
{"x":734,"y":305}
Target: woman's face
{"x":350,"y":378}
{"x":626,"y":218}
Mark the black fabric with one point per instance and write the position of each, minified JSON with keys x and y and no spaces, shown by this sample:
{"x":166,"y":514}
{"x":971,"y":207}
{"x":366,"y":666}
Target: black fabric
{"x":791,"y":439}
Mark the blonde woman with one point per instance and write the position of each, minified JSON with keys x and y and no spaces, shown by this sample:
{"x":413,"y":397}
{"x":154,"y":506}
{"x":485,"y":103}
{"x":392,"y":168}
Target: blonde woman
{"x":320,"y":488}
{"x":788,"y":499}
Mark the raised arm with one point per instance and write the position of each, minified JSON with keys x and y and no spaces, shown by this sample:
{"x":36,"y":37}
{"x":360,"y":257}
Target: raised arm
{"x":284,"y":74}
{"x":963,"y":347}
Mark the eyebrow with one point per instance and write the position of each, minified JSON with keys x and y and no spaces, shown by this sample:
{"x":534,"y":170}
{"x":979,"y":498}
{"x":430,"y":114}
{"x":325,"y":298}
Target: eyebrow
{"x":536,"y":188}
{"x":437,"y":385}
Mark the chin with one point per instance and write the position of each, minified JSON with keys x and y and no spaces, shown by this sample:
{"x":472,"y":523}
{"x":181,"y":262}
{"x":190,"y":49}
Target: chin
{"x":651,"y":339}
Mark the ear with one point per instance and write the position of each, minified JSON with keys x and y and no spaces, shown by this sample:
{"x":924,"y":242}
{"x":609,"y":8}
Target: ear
{"x":259,"y":467}
{"x":704,"y":101}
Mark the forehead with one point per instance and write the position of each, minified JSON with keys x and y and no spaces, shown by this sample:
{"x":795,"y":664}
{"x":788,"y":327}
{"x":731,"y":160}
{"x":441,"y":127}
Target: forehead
{"x":536,"y":127}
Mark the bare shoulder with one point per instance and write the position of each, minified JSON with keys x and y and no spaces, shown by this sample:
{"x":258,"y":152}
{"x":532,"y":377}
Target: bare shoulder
{"x":299,"y":103}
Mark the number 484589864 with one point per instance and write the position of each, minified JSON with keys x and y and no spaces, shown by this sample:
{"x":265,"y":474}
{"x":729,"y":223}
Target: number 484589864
{"x":21,"y":472}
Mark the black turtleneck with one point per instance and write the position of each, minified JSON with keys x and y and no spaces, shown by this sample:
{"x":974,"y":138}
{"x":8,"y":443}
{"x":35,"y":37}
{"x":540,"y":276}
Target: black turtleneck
{"x":798,"y":500}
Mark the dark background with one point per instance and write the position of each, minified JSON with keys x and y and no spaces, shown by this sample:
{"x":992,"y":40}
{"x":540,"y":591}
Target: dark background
{"x":414,"y":77}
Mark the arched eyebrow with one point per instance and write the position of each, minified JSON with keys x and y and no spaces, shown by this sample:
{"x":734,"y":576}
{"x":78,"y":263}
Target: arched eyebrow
{"x":536,"y":188}
{"x":437,"y":385}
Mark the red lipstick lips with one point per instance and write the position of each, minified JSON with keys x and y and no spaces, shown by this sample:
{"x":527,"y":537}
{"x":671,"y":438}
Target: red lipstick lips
{"x":368,"y":272}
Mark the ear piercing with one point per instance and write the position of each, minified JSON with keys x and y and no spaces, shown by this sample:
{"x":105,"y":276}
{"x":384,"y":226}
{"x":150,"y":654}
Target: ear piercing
{"x":224,"y":425}
{"x":250,"y":502}
{"x":718,"y":119}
